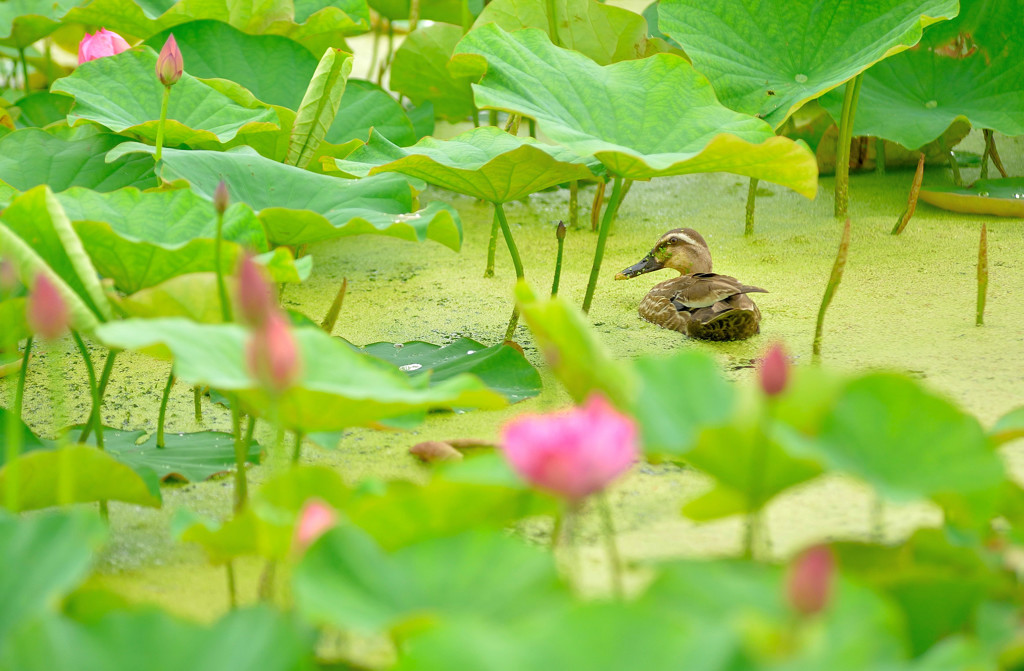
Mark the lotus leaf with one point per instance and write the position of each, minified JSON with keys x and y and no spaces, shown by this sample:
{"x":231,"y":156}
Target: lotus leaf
{"x":445,"y":11}
{"x":420,"y":72}
{"x":121,"y":93}
{"x":298,"y":206}
{"x":23,"y":22}
{"x":680,"y":128}
{"x":770,"y":57}
{"x":191,"y":457}
{"x":31,"y":157}
{"x":485,"y":163}
{"x":318,"y":107}
{"x":338,"y":387}
{"x":42,"y":109}
{"x":1009,"y":427}
{"x":365,"y":107}
{"x":1000,"y":197}
{"x":347,"y":580}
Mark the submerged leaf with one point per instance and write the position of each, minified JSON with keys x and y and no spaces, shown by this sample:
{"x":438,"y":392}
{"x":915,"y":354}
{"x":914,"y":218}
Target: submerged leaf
{"x":999,"y":197}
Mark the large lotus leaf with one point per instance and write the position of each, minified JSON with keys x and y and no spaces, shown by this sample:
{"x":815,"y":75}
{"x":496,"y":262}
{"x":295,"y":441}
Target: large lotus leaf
{"x":907,"y":442}
{"x":445,"y":11}
{"x":679,"y":128}
{"x":348,"y":581}
{"x":185,"y":456}
{"x":298,"y":206}
{"x":274,"y":68}
{"x":601,"y":32}
{"x":420,"y":72}
{"x":769,"y":57}
{"x":365,"y":107}
{"x":999,"y":197}
{"x":501,"y":367}
{"x":141,"y":239}
{"x":44,"y":556}
{"x":76,"y":474}
{"x":36,"y":235}
{"x":123,"y":94}
{"x":485,"y":163}
{"x":913,"y":97}
{"x":338,"y":387}
{"x":30,"y":157}
{"x":23,"y":22}
{"x":41,"y":108}
{"x":316,"y":24}
{"x":254,"y":638}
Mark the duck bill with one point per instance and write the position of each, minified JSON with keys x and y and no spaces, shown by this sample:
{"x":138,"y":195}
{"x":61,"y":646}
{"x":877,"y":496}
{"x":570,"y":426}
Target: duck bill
{"x":645,"y":265}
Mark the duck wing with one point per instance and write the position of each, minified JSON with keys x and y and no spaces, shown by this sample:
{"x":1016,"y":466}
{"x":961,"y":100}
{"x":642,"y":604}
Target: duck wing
{"x":701,"y":290}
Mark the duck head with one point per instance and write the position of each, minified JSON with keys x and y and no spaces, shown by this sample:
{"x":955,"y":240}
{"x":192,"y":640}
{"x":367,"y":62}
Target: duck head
{"x":681,"y":249}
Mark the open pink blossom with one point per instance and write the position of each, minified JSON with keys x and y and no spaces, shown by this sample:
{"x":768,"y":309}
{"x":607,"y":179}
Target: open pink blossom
{"x":46,"y":312}
{"x":573,"y":453}
{"x":315,"y":519}
{"x":809,"y":586}
{"x":103,"y":43}
{"x":273,"y":354}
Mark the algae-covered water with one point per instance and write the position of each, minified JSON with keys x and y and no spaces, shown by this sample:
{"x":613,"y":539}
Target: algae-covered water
{"x":906,"y":303}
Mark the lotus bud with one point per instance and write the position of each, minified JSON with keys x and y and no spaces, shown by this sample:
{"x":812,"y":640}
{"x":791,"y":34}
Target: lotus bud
{"x":221,"y":198}
{"x":809,"y":586}
{"x":273,"y":354}
{"x":255,"y":295}
{"x":773,"y":370}
{"x":315,"y":519}
{"x":560,"y":231}
{"x":103,"y":43}
{"x":8,"y":276}
{"x":170,"y":64}
{"x":46,"y":311}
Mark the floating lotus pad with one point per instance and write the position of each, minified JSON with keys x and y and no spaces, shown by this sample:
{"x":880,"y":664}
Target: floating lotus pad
{"x":999,"y":197}
{"x":299,"y":207}
{"x":680,"y":128}
{"x":485,"y":163}
{"x":769,"y":57}
{"x":122,"y":93}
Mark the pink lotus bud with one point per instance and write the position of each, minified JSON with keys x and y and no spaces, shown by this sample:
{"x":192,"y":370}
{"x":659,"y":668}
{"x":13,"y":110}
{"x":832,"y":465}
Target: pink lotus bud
{"x":809,"y":586}
{"x":273,"y":354}
{"x":103,"y":43}
{"x":256,"y":300}
{"x":572,"y":453}
{"x":8,"y":276}
{"x":170,"y":64}
{"x":315,"y":519}
{"x":773,"y":370}
{"x":46,"y":312}
{"x":221,"y":198}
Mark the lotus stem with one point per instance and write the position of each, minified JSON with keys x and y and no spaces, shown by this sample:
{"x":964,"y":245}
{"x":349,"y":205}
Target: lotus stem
{"x":414,"y":14}
{"x":222,"y":290}
{"x":915,"y":190}
{"x":492,"y":117}
{"x":994,"y":153}
{"x":467,"y":17}
{"x":830,"y":289}
{"x":19,"y":390}
{"x":552,"y":22}
{"x":614,"y":558}
{"x":987,"y":153}
{"x":108,"y":367}
{"x":602,"y":239}
{"x":953,"y":165}
{"x":297,"y":448}
{"x":24,"y":70}
{"x":751,"y":201}
{"x":842,"y":197}
{"x":267,"y":580}
{"x":755,"y":484}
{"x":499,"y":211}
{"x":160,"y":124}
{"x":162,"y":415}
{"x":229,"y":569}
{"x":879,"y":156}
{"x":376,"y":48}
{"x":331,"y":318}
{"x":241,"y":453}
{"x":531,"y":124}
{"x":492,"y":246}
{"x":512,"y":125}
{"x":13,"y":436}
{"x":386,"y":62}
{"x":197,"y":402}
{"x":560,"y":236}
{"x":94,"y":390}
{"x":574,"y":203}
{"x":595,"y":208}
{"x":982,"y":275}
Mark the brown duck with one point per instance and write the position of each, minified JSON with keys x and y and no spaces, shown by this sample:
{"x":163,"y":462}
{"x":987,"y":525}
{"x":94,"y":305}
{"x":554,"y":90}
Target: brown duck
{"x":699,"y":303}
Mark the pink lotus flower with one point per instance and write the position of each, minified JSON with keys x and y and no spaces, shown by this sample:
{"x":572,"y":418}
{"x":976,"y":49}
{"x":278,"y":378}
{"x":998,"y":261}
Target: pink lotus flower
{"x":573,"y":453}
{"x":809,"y":587}
{"x":170,"y":64}
{"x":315,"y":519}
{"x":103,"y":43}
{"x":46,"y":312}
{"x":273,"y":354}
{"x":255,"y":295}
{"x":773,"y":370}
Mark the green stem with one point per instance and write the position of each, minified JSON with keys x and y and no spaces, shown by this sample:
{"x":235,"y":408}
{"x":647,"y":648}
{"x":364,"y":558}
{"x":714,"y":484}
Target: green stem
{"x":19,"y":391}
{"x":558,"y":266}
{"x":241,"y":453}
{"x":879,"y":156}
{"x":160,"y":124}
{"x":556,"y":530}
{"x":953,"y":165}
{"x":163,"y":410}
{"x":986,"y":154}
{"x":376,"y":48}
{"x":222,"y":290}
{"x":492,"y":246}
{"x":756,"y":483}
{"x":982,"y":276}
{"x":513,"y":251}
{"x":552,"y":22}
{"x":24,"y":70}
{"x":467,"y":17}
{"x":13,"y":436}
{"x":232,"y":590}
{"x":492,"y":117}
{"x":94,"y":389}
{"x":108,"y":367}
{"x":414,"y":14}
{"x":602,"y":239}
{"x":842,"y":196}
{"x":197,"y":402}
{"x":748,"y":230}
{"x":297,"y":448}
{"x":614,"y":558}
{"x":574,"y":203}
{"x":830,"y":289}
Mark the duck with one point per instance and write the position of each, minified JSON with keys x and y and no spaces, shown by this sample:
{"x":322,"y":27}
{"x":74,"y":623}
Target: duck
{"x":698,"y":303}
